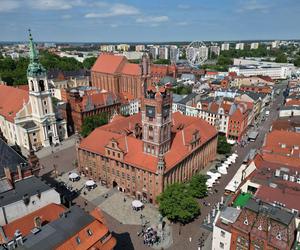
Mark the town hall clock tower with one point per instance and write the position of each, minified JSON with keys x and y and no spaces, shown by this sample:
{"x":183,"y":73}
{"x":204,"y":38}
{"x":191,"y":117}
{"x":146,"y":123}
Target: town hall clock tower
{"x":156,"y":120}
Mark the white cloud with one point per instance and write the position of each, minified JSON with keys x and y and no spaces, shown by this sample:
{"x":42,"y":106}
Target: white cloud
{"x":152,"y":20}
{"x":8,"y":5}
{"x":183,"y":6}
{"x":253,"y":6}
{"x":54,"y":4}
{"x":115,"y":10}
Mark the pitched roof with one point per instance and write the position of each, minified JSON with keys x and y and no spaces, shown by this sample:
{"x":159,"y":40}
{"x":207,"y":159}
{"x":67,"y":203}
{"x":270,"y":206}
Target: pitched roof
{"x":25,"y":224}
{"x":121,"y":131}
{"x":131,"y":69}
{"x":62,"y":233}
{"x":107,"y":63}
{"x":11,"y":101}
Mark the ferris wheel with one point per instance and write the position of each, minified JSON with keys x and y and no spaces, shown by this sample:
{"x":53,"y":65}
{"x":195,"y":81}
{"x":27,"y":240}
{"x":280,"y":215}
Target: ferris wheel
{"x":196,"y":53}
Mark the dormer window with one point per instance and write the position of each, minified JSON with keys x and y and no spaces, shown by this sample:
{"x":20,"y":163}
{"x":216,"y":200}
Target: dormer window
{"x":259,"y":227}
{"x":296,"y":147}
{"x":278,"y":236}
{"x":283,"y":146}
{"x":246,"y":222}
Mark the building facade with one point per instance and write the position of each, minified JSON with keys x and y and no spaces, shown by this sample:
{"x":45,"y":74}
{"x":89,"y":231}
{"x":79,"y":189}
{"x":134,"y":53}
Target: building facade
{"x":116,"y":74}
{"x":142,"y":154}
{"x":29,"y":117}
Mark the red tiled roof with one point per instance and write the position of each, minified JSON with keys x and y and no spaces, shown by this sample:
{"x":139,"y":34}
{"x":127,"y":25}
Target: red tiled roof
{"x":131,"y":69}
{"x":107,"y":63}
{"x":133,"y":147}
{"x":25,"y":224}
{"x":287,"y":196}
{"x":11,"y":101}
{"x":293,"y":102}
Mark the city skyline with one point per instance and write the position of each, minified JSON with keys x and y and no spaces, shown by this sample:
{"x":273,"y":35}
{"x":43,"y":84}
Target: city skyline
{"x":139,"y":21}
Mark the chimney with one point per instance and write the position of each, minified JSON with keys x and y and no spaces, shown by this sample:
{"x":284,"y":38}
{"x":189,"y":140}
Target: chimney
{"x":7,"y":174}
{"x":37,"y":222}
{"x":20,"y":176}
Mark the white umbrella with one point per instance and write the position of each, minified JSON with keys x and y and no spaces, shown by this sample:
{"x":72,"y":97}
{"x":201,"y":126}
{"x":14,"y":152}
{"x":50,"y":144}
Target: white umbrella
{"x":225,"y":165}
{"x":209,"y":184}
{"x":90,"y":183}
{"x":137,"y":204}
{"x":222,"y":170}
{"x":73,"y":176}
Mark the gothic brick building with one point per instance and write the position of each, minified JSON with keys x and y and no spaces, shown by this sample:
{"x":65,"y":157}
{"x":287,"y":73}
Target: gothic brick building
{"x":143,"y":153}
{"x":85,"y":102}
{"x":116,"y":74}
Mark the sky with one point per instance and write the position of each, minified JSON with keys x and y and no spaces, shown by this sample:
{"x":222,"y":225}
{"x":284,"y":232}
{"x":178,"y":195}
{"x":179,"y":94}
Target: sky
{"x":149,"y":20}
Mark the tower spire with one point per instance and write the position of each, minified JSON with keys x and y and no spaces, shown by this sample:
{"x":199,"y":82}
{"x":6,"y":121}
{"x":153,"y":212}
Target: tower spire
{"x":33,"y":54}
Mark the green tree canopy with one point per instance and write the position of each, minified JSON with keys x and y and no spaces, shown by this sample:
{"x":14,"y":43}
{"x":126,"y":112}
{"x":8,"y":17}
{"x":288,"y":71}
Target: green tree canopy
{"x":281,"y":58}
{"x":197,"y":186}
{"x":89,"y":62}
{"x":297,"y":62}
{"x":92,"y":122}
{"x":223,"y":146}
{"x":162,"y":61}
{"x":177,"y":204}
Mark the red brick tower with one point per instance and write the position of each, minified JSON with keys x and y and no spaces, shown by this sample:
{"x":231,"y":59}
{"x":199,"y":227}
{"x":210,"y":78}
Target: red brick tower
{"x":156,"y":120}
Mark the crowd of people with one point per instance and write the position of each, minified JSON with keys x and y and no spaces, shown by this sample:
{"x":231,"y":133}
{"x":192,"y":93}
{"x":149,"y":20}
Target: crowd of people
{"x":150,"y":236}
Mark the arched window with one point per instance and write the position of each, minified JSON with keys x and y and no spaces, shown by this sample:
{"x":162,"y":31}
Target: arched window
{"x":151,"y":133}
{"x":41,"y":85}
{"x":31,"y":85}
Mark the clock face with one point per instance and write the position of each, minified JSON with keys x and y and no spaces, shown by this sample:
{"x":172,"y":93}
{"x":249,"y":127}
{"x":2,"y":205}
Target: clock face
{"x":166,"y":110}
{"x":150,"y":111}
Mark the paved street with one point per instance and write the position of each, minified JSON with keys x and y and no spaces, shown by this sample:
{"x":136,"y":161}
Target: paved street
{"x":194,"y":229}
{"x":126,"y":234}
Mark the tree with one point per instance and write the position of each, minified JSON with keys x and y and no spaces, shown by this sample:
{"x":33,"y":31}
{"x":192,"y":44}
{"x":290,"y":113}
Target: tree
{"x":281,"y":58}
{"x":197,"y":186}
{"x":182,"y":90}
{"x":89,"y":62}
{"x":162,"y":61}
{"x":224,"y":61}
{"x":92,"y":122}
{"x":223,"y":146}
{"x":177,"y":204}
{"x":297,"y":62}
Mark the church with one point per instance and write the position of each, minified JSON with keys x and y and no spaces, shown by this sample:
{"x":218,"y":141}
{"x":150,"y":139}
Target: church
{"x":142,"y":154}
{"x":27,"y":117}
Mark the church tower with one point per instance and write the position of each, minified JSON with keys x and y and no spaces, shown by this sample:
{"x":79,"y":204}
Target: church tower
{"x":156,"y":120}
{"x":146,"y":72}
{"x":40,"y":98}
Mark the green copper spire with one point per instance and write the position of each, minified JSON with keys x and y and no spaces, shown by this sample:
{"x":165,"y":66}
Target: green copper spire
{"x":34,"y":68}
{"x":33,"y":53}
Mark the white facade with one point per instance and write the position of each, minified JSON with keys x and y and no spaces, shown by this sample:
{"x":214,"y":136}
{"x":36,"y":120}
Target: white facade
{"x":154,"y":52}
{"x":123,"y":47}
{"x":274,"y":73}
{"x":254,"y":45}
{"x":221,"y":239}
{"x":163,"y":53}
{"x":174,"y":53}
{"x":140,"y":48}
{"x":215,"y":49}
{"x":239,"y":46}
{"x":108,"y":48}
{"x":225,"y":46}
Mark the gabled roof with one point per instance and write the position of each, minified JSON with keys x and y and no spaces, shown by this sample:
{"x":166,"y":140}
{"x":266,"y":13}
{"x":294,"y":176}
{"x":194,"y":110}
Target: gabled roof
{"x":133,"y":147}
{"x":25,"y":224}
{"x":131,"y":69}
{"x":107,"y":63}
{"x":11,"y":101}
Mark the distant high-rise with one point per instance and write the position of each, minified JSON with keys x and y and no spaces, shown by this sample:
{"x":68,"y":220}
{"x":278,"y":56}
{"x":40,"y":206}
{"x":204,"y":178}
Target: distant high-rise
{"x":239,"y":46}
{"x":254,"y":45}
{"x":140,"y":48}
{"x":275,"y":44}
{"x":163,"y":53}
{"x":174,"y":54}
{"x":108,"y":48}
{"x":215,"y":50}
{"x":225,"y":46}
{"x":154,"y":52}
